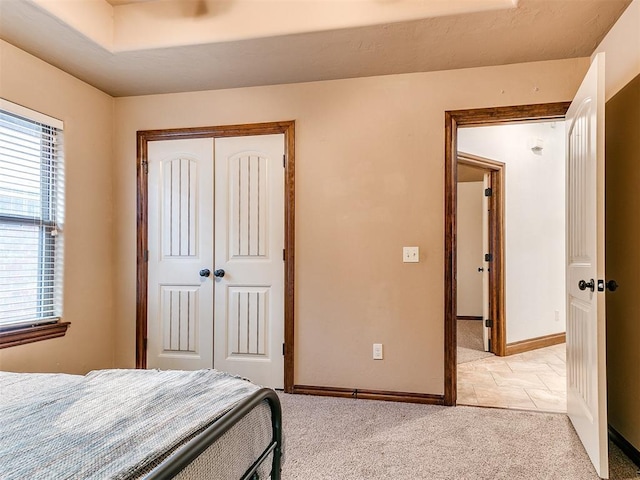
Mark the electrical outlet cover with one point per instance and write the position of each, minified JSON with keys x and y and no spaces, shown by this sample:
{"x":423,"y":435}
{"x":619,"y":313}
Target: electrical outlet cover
{"x":410,"y":254}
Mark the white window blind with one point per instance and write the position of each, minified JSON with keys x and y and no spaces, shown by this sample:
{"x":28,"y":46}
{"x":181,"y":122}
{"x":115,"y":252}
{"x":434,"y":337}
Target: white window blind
{"x":31,"y":218}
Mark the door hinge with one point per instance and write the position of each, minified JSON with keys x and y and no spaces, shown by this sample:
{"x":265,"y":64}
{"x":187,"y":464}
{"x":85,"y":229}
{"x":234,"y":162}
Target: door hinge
{"x":284,"y":255}
{"x":488,"y":323}
{"x":145,"y":166}
{"x":488,"y":257}
{"x":146,"y":255}
{"x":283,"y":349}
{"x":284,"y":161}
{"x":488,"y":192}
{"x":144,"y":344}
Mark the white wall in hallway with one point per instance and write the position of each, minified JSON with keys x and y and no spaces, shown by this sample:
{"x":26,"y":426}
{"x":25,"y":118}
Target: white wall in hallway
{"x":534,"y":222}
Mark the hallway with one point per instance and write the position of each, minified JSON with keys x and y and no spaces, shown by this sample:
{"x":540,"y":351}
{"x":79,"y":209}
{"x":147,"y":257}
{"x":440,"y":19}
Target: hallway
{"x":534,"y":380}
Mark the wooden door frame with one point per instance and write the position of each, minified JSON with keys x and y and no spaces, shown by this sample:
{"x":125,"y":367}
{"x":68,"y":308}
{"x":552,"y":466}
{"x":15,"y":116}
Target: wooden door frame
{"x":496,"y":247}
{"x":143,"y":137}
{"x":453,"y":120}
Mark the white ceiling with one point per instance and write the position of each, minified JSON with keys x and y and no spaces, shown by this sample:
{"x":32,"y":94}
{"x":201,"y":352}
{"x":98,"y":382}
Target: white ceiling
{"x":140,"y":59}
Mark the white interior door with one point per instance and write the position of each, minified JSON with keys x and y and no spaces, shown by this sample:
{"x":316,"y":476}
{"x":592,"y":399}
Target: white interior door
{"x":586,"y":369}
{"x":486,"y":331}
{"x":249,"y":239}
{"x":180,"y":242}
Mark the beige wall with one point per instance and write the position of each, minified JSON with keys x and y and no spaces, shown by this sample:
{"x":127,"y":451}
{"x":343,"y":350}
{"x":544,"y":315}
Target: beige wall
{"x":369,"y":179}
{"x":87,"y":114}
{"x":623,"y":260}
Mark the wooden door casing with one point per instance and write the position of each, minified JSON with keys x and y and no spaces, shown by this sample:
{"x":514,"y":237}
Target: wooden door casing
{"x":143,"y":137}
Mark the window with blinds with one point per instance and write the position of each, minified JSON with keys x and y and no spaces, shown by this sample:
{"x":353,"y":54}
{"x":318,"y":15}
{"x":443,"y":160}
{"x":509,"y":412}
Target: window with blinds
{"x":31,"y":214}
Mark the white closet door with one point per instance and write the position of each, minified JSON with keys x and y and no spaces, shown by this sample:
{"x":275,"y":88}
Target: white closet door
{"x":249,"y":239}
{"x":180,"y":236}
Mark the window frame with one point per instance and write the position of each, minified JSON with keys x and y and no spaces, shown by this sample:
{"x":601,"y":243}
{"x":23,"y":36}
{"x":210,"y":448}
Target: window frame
{"x":41,"y":328}
{"x":11,"y":337}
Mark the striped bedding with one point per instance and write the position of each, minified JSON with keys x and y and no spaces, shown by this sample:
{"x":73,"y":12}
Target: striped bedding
{"x":109,"y":424}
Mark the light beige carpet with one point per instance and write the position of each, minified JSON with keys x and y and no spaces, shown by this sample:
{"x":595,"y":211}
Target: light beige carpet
{"x":344,"y":439}
{"x":470,"y":344}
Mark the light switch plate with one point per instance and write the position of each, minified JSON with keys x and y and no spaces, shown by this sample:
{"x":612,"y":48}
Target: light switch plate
{"x":377,"y":351}
{"x":410,"y":254}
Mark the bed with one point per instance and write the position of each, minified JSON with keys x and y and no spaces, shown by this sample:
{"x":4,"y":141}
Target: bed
{"x":138,"y":424}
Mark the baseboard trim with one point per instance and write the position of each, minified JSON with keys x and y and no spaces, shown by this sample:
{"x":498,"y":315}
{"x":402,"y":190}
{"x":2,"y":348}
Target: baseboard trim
{"x":468,"y":317}
{"x":629,"y":450}
{"x":535,"y":343}
{"x":388,"y":396}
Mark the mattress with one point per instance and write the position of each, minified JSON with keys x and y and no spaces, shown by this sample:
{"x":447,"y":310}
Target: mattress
{"x":120,"y":424}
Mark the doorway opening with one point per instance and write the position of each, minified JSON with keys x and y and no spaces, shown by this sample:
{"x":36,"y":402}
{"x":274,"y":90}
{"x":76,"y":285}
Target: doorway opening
{"x":285,"y":130}
{"x":473,"y":118}
{"x":490,"y":371}
{"x":480,"y":258}
{"x":528,"y":336}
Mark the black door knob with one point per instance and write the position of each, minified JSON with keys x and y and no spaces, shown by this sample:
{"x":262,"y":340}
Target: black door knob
{"x":481,"y":269}
{"x":582,"y":285}
{"x":612,"y":285}
{"x":218,"y":273}
{"x":205,"y":272}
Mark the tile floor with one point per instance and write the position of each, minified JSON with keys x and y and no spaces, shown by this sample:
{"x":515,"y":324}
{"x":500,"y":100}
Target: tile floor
{"x":534,"y":380}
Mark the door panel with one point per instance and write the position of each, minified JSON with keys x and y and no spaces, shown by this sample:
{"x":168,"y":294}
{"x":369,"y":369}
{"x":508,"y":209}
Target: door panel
{"x":247,"y":321}
{"x":248,"y":189}
{"x":249,"y":237}
{"x":586,"y":369}
{"x":180,"y":320}
{"x":178,"y":317}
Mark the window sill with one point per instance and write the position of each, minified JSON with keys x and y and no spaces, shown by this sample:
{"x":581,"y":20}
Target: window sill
{"x":21,"y":336}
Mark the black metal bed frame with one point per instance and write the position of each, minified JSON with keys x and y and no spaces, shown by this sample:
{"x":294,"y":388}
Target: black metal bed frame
{"x":176,"y":463}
